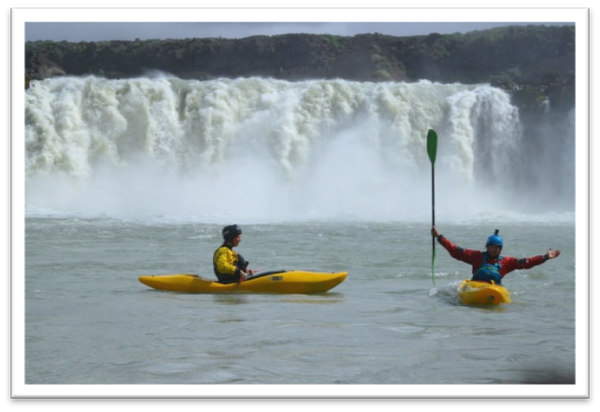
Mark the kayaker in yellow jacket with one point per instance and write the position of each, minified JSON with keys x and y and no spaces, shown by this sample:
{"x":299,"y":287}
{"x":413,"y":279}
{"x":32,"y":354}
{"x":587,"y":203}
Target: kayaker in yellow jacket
{"x":228,"y":265}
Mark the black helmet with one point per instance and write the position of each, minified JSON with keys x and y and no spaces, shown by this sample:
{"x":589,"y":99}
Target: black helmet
{"x":231,"y":232}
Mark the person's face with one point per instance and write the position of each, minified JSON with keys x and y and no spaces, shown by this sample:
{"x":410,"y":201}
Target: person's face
{"x":493,"y":250}
{"x":236,"y":241}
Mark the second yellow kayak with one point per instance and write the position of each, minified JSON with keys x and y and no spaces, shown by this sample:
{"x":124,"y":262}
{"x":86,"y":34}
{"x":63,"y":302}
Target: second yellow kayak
{"x":473,"y":292}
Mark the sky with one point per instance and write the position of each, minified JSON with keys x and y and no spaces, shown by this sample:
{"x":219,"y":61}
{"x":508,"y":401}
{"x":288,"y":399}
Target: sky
{"x":95,"y":31}
{"x":98,"y":23}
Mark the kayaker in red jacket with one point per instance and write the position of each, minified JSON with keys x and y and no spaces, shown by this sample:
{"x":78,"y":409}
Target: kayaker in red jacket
{"x":488,"y":265}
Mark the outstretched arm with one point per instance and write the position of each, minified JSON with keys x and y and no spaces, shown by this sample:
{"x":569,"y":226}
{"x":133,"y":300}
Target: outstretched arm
{"x":511,"y":263}
{"x":459,"y":253}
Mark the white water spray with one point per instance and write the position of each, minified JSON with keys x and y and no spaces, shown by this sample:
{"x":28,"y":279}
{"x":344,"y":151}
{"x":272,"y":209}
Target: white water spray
{"x":264,"y":149}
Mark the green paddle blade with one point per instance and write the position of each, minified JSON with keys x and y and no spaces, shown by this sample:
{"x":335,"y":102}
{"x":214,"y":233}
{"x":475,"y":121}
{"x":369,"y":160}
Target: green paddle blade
{"x":431,"y":145}
{"x":432,"y":151}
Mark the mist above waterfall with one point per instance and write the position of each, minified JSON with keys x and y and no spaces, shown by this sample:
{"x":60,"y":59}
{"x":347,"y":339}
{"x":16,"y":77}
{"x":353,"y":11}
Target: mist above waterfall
{"x":259,"y":149}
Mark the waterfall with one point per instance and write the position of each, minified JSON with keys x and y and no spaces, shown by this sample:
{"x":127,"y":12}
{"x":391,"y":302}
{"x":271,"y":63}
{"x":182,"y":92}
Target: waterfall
{"x":263,"y":148}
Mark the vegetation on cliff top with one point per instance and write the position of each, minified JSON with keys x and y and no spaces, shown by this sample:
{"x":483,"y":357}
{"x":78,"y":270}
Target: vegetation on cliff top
{"x":534,"y":62}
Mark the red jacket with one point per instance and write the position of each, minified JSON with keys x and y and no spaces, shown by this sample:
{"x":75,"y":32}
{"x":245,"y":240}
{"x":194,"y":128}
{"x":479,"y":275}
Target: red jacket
{"x":475,"y":258}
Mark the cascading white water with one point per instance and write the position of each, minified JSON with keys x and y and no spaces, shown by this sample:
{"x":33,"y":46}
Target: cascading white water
{"x":267,"y":149}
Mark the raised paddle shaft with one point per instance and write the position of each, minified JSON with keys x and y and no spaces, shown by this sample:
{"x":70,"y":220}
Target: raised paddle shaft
{"x":432,"y":152}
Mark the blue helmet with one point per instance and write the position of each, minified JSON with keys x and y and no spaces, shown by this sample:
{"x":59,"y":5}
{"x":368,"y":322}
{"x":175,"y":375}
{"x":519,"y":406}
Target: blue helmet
{"x":494,"y":239}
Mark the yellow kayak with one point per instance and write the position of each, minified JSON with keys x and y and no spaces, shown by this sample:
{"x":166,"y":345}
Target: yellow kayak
{"x":473,"y":292}
{"x":294,"y":281}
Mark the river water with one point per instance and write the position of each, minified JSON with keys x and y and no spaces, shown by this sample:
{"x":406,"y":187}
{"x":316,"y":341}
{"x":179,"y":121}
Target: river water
{"x":89,"y":320}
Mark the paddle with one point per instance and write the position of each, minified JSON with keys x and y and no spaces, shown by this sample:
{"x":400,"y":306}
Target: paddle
{"x":431,"y":152}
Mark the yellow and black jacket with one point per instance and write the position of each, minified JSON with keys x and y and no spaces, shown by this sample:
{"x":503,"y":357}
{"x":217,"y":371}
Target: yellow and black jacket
{"x":226,"y":264}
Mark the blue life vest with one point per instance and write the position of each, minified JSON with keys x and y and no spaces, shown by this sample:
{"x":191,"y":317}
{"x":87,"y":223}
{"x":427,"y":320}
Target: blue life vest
{"x":489,"y":272}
